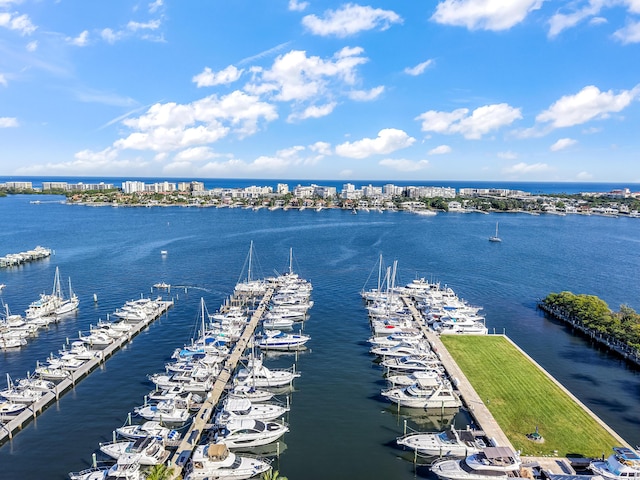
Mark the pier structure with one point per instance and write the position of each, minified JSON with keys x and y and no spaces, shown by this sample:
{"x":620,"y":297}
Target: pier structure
{"x":192,"y":437}
{"x":476,"y":407}
{"x":14,"y":259}
{"x":9,"y":429}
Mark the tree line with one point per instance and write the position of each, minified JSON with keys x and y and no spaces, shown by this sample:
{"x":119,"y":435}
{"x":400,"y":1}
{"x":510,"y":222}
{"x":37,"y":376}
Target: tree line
{"x":594,"y":314}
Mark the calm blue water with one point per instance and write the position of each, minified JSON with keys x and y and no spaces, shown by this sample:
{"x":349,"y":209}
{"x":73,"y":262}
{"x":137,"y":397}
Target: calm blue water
{"x":340,"y":426}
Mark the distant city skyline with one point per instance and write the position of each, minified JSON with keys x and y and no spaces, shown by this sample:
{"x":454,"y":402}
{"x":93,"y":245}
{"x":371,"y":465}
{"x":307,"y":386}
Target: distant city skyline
{"x":462,"y":90}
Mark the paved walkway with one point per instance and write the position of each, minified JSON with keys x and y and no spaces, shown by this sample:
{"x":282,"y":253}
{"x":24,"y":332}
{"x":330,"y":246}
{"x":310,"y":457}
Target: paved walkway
{"x":469,"y":396}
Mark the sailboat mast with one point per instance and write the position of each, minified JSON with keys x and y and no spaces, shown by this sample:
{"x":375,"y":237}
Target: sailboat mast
{"x":249,"y":269}
{"x":290,"y":260}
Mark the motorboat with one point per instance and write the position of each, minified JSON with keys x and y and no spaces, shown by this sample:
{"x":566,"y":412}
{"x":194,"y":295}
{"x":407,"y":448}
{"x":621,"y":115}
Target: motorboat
{"x":215,"y":461}
{"x":257,"y":375}
{"x":126,"y":468}
{"x":277,"y":323}
{"x":149,"y":450}
{"x":279,"y":340}
{"x":11,"y":409}
{"x":448,"y":443}
{"x":250,"y":393}
{"x":97,"y":339}
{"x":241,"y":408}
{"x":54,"y":374}
{"x":25,"y":395}
{"x":623,"y":463}
{"x":423,"y":394}
{"x":35,"y":383}
{"x":248,"y":433}
{"x":406,"y":336}
{"x":412,"y":363}
{"x":150,"y":429}
{"x":492,"y":463}
{"x":168,"y":411}
{"x":402,"y":349}
{"x":429,"y":377}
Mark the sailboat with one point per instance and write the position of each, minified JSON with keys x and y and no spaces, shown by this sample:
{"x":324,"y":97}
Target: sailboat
{"x":495,"y":238}
{"x":67,"y":305}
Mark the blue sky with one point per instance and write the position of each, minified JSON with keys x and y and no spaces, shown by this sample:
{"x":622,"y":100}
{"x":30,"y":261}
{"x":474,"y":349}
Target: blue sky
{"x":527,"y":90}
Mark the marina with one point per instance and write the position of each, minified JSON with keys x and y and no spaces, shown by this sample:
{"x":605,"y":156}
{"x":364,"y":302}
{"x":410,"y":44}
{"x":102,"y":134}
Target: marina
{"x":352,"y":408}
{"x":15,"y":259}
{"x":70,"y":377}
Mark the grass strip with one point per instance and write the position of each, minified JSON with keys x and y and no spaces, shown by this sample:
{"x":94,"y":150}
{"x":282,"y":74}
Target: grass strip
{"x":521,"y":397}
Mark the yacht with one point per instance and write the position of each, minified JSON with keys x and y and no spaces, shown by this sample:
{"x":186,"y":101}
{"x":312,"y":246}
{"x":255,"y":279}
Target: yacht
{"x":248,"y":433}
{"x":11,"y":409}
{"x":126,"y":468}
{"x":166,"y":411}
{"x":624,"y":463}
{"x":412,"y":363}
{"x":149,"y":429}
{"x":241,"y":408}
{"x":149,"y":450}
{"x":428,"y":377}
{"x":254,"y":394}
{"x":257,"y":375}
{"x":423,"y":394}
{"x":215,"y":461}
{"x":492,"y":463}
{"x":448,"y":443}
{"x":278,"y":340}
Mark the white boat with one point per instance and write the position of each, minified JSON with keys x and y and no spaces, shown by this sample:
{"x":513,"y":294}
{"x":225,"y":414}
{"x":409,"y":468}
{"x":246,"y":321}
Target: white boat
{"x":47,"y":304}
{"x":492,"y":463}
{"x":278,"y":340}
{"x":448,"y":443}
{"x":148,"y":450}
{"x":166,"y":411}
{"x":495,"y":238}
{"x":241,"y":408}
{"x":35,"y":383}
{"x":126,"y":468}
{"x":162,"y":286}
{"x":412,"y":363}
{"x":257,"y":375}
{"x":149,"y":429}
{"x":215,"y":461}
{"x":624,"y":463}
{"x":23,"y":395}
{"x":423,"y":394}
{"x":11,"y":409}
{"x":249,"y":433}
{"x":97,"y":339}
{"x":402,"y":349}
{"x":277,"y":323}
{"x":54,"y":374}
{"x":11,"y":343}
{"x":67,"y":305}
{"x":250,"y":393}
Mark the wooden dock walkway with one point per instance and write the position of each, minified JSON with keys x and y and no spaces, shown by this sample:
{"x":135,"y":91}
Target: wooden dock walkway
{"x":192,"y":437}
{"x":9,"y":429}
{"x":474,"y":404}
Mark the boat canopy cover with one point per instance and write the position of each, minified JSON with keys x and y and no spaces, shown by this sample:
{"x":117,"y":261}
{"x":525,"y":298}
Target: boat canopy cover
{"x":494,"y":453}
{"x":217,"y":451}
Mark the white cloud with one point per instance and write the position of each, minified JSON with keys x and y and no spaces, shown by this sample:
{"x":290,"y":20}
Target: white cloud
{"x":525,"y":168}
{"x":155,"y":6}
{"x":388,"y":140}
{"x":584,"y":176}
{"x":629,"y":34}
{"x":88,"y":161}
{"x":81,"y":40}
{"x":110,"y":36}
{"x":481,"y":121}
{"x":349,"y":20}
{"x":508,"y":155}
{"x":366,"y":95}
{"x":440,"y":150}
{"x":195,"y":154}
{"x":307,"y":82}
{"x":172,"y":126}
{"x":588,"y":104}
{"x":322,"y":148}
{"x":313,"y":111}
{"x":3,"y":80}
{"x":105,"y":98}
{"x":562,"y":144}
{"x":150,"y":25}
{"x":296,"y":6}
{"x":32,"y":46}
{"x":209,"y":78}
{"x":403,"y":165}
{"x":418,"y":69}
{"x":484,"y":14}
{"x":8,"y":122}
{"x":21,"y":23}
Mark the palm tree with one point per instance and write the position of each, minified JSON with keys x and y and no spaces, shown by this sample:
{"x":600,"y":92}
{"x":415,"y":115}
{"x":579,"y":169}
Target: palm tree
{"x":160,"y":472}
{"x":272,"y":474}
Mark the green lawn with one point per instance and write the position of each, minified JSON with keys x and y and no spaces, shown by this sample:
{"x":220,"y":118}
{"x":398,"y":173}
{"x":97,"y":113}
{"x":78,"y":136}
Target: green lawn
{"x":521,"y":397}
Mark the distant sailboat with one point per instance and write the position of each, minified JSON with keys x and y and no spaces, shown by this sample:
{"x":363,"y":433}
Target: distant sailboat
{"x":495,"y":238}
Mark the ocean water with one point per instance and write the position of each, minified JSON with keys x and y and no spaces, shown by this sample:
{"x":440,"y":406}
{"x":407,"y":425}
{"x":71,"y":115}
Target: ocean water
{"x":340,"y":425}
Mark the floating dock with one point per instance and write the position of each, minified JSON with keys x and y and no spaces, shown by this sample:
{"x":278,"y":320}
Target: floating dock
{"x":15,"y":259}
{"x":9,"y":429}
